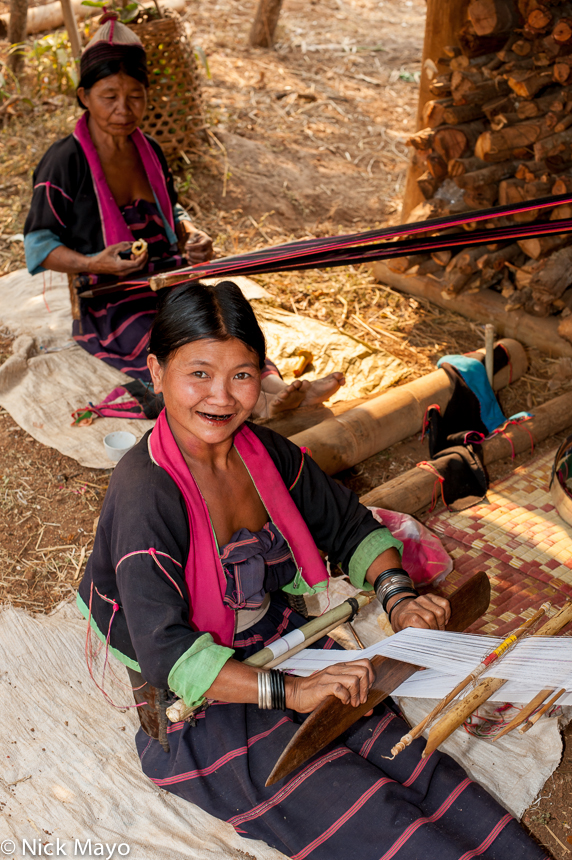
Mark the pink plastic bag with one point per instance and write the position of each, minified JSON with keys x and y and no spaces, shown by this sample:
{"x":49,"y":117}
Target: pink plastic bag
{"x":424,"y":557}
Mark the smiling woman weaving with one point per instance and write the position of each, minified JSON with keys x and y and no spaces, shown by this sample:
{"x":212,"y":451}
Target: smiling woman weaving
{"x":208,"y":525}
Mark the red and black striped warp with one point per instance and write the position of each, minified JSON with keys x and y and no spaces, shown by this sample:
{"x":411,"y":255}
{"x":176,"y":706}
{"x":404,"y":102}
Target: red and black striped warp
{"x":383,"y":244}
{"x":380,"y":244}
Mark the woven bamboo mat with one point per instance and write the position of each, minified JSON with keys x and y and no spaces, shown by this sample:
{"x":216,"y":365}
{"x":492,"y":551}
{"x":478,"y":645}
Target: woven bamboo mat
{"x":517,"y":537}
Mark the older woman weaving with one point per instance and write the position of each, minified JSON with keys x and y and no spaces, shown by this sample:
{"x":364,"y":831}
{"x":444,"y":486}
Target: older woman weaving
{"x":106,"y":185}
{"x":208,"y":525}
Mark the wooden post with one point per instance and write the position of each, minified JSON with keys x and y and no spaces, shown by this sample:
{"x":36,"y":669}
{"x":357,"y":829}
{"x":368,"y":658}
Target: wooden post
{"x":71,"y":27}
{"x":17,"y":31}
{"x":264,"y":25}
{"x":442,"y":25}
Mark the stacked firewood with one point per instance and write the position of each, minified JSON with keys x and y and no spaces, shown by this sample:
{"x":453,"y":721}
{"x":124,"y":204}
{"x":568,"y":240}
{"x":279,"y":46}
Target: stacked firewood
{"x":499,"y":130}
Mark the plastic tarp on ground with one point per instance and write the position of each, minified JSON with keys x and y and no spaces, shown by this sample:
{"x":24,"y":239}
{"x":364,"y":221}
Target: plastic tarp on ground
{"x":49,"y":376}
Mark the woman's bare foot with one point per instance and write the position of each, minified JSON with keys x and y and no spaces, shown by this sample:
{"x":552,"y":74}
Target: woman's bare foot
{"x":272,"y":403}
{"x":323,"y":389}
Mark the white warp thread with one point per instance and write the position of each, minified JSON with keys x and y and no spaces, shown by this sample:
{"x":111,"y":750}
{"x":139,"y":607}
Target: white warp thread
{"x":535,"y":663}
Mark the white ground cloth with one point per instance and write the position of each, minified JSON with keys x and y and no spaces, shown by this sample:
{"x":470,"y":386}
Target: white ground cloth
{"x":50,"y":376}
{"x":70,"y":769}
{"x":73,"y":771}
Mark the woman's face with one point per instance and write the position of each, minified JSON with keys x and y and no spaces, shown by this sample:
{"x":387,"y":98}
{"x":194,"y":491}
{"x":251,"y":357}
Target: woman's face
{"x":210,"y":387}
{"x":116,"y":104}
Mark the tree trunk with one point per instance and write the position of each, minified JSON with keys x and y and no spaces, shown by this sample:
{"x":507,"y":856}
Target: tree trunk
{"x":72,"y":28}
{"x":442,"y":25}
{"x":264,"y":25}
{"x":17,"y":31}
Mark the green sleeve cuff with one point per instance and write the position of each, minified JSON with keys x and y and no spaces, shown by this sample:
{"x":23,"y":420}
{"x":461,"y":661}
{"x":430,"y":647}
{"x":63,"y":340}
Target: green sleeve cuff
{"x":368,"y":550}
{"x":197,"y":669}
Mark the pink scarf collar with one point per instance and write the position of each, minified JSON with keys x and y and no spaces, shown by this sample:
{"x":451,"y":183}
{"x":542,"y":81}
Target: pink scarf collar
{"x":113,"y":224}
{"x":204,"y":574}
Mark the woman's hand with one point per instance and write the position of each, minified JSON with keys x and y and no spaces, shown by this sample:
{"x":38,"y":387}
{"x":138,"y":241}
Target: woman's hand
{"x":427,"y":611}
{"x":198,"y":247}
{"x":349,"y":682}
{"x":108,"y":261}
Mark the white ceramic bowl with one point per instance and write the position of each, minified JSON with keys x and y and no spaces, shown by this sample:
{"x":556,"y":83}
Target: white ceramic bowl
{"x":117,"y":444}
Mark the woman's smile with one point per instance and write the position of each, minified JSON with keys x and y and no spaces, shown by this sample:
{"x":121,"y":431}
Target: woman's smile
{"x":210,"y":388}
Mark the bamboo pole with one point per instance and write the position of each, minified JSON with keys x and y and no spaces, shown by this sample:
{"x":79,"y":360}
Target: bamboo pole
{"x":312,"y":631}
{"x":485,"y":689}
{"x":351,"y":437}
{"x":533,"y":720}
{"x":412,"y":491}
{"x":524,"y":713}
{"x":505,"y":646}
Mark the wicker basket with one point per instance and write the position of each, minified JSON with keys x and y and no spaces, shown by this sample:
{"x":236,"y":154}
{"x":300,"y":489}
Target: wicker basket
{"x":174,"y":112}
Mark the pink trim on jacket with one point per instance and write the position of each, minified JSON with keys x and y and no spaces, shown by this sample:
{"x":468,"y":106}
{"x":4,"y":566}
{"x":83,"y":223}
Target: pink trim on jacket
{"x":113,"y":225}
{"x":204,"y":573}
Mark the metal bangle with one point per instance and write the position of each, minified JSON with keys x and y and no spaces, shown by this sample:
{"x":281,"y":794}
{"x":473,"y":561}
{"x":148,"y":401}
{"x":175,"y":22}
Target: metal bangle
{"x":397,"y":602}
{"x":386,"y":573}
{"x":390,"y":583}
{"x":403,"y":590}
{"x":264,"y":695}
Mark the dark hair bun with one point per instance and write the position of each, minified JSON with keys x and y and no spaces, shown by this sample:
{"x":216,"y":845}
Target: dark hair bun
{"x":196,"y":311}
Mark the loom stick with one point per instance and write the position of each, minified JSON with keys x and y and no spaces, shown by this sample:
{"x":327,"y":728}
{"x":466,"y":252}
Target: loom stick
{"x":524,"y":713}
{"x":529,"y":723}
{"x":332,"y":717}
{"x":483,"y":691}
{"x":312,"y":631}
{"x":491,"y":658}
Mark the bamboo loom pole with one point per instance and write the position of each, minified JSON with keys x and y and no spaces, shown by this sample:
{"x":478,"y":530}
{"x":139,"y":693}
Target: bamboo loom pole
{"x":412,"y":491}
{"x":495,"y":655}
{"x":341,"y":442}
{"x":485,"y":689}
{"x":524,"y":713}
{"x":312,"y":631}
{"x":533,"y":720}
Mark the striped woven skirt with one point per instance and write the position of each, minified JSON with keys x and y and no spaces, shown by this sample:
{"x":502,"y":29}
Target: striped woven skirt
{"x":347,"y":802}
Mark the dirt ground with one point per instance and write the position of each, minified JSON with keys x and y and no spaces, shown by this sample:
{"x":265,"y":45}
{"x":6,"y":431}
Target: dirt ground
{"x":307,"y":139}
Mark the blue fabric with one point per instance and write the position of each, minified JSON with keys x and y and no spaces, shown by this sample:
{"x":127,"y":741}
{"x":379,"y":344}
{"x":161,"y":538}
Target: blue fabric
{"x":37,"y":246}
{"x":40,"y":243}
{"x":475,"y":375}
{"x":180,"y":214}
{"x":171,"y":235}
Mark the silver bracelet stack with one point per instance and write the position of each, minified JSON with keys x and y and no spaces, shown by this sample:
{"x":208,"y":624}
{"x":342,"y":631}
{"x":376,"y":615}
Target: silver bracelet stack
{"x":271,"y":690}
{"x":391,"y":582}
